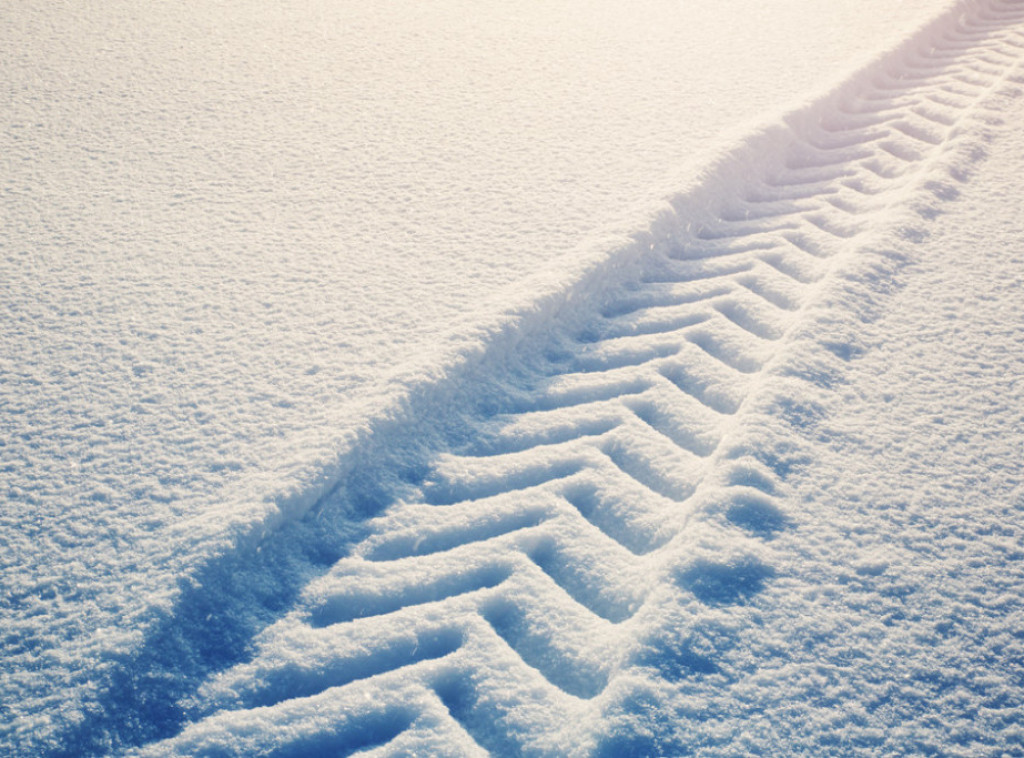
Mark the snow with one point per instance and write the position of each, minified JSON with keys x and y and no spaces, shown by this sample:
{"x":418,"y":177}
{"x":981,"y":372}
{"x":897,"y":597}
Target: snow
{"x":892,"y":624}
{"x":360,"y":390}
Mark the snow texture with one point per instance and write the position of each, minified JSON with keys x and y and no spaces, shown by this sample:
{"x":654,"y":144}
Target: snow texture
{"x":747,"y":482}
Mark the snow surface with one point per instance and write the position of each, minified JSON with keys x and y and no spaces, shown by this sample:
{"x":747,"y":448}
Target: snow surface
{"x":692,"y":492}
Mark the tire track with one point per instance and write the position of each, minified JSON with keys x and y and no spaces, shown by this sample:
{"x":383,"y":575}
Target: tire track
{"x":501,"y":601}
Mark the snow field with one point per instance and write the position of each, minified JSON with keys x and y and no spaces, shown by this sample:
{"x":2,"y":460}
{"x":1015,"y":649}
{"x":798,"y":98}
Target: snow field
{"x":593,"y":520}
{"x":233,"y":233}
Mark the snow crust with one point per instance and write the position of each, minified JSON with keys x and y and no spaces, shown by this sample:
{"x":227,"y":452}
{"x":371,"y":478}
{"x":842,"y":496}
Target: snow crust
{"x":228,"y":256}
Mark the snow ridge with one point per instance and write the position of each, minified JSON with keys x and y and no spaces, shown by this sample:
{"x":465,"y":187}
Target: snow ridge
{"x":493,"y":576}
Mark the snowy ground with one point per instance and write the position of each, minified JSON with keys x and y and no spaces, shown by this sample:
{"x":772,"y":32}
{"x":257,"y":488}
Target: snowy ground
{"x":748,"y":481}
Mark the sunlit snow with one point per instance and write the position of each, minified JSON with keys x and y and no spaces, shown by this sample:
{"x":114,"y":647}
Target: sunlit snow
{"x":552,"y":378}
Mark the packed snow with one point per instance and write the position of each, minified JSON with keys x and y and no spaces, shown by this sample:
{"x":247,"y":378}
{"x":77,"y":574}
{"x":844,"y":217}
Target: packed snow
{"x":362,"y":392}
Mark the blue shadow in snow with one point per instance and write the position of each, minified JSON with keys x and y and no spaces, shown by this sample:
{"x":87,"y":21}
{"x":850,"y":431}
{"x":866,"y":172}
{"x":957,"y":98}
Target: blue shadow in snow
{"x":220,"y":608}
{"x":725,"y":583}
{"x":757,"y":516}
